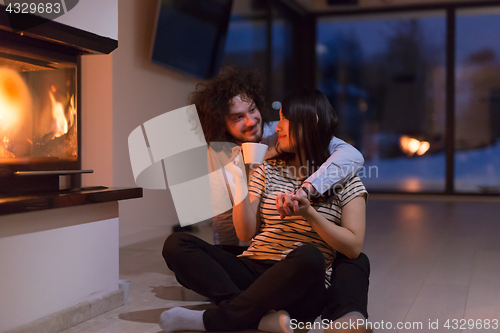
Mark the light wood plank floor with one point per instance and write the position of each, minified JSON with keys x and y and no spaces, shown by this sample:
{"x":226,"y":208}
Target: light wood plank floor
{"x":431,"y":260}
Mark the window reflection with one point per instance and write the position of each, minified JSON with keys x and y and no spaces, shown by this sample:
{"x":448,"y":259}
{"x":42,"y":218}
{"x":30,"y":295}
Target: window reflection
{"x":477,"y":99}
{"x":385,"y":77}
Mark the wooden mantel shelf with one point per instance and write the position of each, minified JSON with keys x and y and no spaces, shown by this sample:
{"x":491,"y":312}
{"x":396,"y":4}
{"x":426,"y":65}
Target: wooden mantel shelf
{"x":41,"y":201}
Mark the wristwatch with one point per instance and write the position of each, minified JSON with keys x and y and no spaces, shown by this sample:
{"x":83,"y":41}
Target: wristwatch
{"x":303,"y":188}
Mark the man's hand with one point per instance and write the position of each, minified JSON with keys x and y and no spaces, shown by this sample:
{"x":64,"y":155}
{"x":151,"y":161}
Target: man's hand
{"x":287,"y":204}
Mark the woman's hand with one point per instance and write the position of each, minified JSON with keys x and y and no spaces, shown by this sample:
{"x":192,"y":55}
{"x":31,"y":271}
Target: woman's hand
{"x":235,"y":166}
{"x":236,"y":178}
{"x":303,"y":204}
{"x":292,"y":203}
{"x":286,"y":206}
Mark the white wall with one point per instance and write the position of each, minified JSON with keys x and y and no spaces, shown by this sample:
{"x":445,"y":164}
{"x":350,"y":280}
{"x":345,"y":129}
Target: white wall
{"x":141,"y":91}
{"x":97,"y":119}
{"x":54,"y":259}
{"x":120,"y":91}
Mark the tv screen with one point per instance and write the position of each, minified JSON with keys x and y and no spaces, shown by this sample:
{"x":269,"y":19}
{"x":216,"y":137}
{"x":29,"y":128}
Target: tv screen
{"x":190,"y":35}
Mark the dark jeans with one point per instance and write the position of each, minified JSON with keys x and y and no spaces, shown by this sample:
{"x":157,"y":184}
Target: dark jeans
{"x":349,"y":284}
{"x":245,"y":289}
{"x":349,"y":287}
{"x":234,"y":249}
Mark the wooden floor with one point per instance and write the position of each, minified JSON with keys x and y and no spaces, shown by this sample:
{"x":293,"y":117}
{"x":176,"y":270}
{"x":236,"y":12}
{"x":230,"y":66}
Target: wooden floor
{"x":431,"y":260}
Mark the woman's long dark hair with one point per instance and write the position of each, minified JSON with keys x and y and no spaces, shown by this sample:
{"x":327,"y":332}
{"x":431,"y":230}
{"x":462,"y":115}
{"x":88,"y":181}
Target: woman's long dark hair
{"x":312,"y":124}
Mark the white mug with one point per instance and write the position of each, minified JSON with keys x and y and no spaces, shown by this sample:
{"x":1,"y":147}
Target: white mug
{"x":254,"y":153}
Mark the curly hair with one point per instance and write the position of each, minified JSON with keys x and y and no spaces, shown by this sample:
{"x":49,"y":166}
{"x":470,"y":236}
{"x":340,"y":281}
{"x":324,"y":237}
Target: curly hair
{"x":213,"y":100}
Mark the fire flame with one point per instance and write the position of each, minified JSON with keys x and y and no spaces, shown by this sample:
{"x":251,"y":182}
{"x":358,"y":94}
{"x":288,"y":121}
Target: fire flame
{"x":411,"y":146}
{"x":15,"y":105}
{"x":71,"y":111}
{"x":60,"y":125}
{"x":19,"y":135}
{"x":13,"y":90}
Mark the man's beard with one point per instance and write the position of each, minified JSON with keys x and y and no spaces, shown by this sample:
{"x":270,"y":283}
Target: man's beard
{"x":260,"y":130}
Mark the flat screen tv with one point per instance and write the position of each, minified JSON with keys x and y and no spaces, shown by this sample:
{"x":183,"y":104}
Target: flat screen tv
{"x":190,"y":35}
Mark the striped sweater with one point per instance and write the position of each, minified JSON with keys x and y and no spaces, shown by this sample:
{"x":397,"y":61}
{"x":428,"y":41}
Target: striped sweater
{"x":277,"y":237}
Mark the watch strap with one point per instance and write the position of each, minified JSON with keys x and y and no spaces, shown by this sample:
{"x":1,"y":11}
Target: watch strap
{"x":303,"y":188}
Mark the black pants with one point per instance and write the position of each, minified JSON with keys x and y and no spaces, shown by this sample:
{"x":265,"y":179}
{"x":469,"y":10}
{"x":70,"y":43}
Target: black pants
{"x":349,"y":284}
{"x":349,"y":287}
{"x":245,"y":289}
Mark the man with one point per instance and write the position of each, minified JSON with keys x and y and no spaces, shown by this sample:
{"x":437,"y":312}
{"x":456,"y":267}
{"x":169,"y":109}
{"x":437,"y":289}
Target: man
{"x":231,"y":109}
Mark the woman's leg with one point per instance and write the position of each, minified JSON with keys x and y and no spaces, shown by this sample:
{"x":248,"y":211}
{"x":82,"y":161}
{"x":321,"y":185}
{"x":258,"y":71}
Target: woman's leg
{"x":294,"y":284}
{"x":347,"y":296}
{"x":349,"y":287}
{"x":208,"y":270}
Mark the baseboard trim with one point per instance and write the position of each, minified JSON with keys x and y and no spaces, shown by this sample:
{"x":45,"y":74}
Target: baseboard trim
{"x":74,"y":315}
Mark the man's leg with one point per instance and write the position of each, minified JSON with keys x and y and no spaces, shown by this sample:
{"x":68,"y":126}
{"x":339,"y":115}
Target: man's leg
{"x":347,"y":296}
{"x":294,"y":284}
{"x":208,"y":270}
{"x":233,"y":249}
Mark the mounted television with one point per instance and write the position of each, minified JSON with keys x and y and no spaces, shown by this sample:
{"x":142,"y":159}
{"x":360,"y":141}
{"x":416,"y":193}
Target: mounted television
{"x":190,"y":35}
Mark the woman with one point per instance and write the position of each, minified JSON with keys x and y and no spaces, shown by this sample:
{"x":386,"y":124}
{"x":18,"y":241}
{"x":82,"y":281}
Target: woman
{"x":284,"y":267}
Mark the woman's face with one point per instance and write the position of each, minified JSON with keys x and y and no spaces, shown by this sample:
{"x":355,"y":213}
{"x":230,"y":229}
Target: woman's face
{"x":284,"y":138}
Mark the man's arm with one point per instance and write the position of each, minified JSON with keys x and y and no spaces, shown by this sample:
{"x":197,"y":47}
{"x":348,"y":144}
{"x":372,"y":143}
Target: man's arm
{"x":341,"y":166}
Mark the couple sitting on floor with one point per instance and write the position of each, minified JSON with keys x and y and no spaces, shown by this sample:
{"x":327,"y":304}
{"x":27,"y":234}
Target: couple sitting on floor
{"x":295,"y":234}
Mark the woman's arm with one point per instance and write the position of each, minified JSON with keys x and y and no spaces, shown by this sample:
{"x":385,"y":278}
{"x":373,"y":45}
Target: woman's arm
{"x":246,"y":219}
{"x":347,"y":238}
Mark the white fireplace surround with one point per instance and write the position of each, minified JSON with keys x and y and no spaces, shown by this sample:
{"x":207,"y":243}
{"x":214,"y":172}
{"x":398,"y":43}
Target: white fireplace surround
{"x":53,"y":260}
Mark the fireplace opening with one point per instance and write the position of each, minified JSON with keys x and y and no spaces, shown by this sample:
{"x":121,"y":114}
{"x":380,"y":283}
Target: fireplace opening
{"x":38,"y":111}
{"x":39,"y":116}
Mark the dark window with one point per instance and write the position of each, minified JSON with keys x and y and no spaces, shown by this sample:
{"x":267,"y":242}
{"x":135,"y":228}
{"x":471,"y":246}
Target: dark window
{"x":385,"y":77}
{"x":477,"y":101}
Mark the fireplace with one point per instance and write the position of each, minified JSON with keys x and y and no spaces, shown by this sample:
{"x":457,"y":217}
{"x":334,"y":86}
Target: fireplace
{"x":39,"y":103}
{"x":60,"y":244}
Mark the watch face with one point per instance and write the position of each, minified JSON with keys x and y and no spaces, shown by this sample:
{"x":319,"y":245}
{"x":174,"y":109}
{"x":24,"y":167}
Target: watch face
{"x":307,"y":192}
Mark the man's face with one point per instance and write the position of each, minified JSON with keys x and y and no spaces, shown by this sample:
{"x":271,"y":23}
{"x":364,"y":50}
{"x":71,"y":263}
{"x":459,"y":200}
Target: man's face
{"x":244,"y":121}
